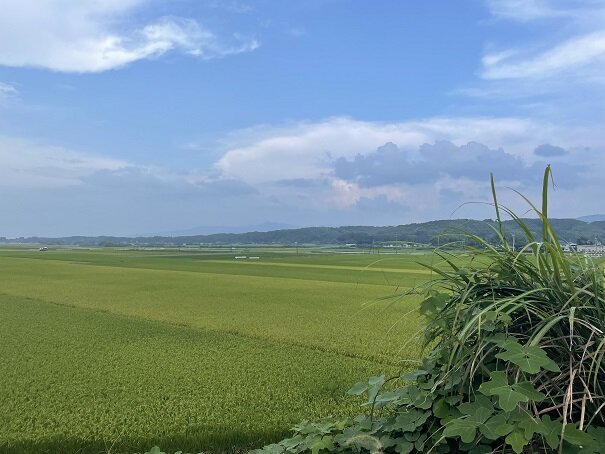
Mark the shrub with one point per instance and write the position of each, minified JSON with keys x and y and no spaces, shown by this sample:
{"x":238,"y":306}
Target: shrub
{"x":516,"y":360}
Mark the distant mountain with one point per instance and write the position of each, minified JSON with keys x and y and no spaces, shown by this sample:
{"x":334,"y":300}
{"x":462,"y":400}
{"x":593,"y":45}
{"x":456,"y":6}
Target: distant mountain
{"x":431,"y":233}
{"x":592,"y":218}
{"x":213,"y":229}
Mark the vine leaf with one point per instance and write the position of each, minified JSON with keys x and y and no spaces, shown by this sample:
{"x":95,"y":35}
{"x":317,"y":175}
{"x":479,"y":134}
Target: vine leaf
{"x":508,"y":396}
{"x":320,"y":443}
{"x":516,"y":439}
{"x":575,"y":436}
{"x":475,"y":415}
{"x":465,"y":428}
{"x":358,"y":389}
{"x":550,"y":430}
{"x":529,"y":358}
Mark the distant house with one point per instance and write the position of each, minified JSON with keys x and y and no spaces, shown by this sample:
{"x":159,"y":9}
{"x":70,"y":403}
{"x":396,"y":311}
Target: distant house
{"x":43,"y":249}
{"x":592,"y":250}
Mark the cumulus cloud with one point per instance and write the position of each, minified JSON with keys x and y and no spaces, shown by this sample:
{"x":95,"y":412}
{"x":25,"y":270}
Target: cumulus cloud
{"x":425,"y":167}
{"x":337,"y":171}
{"x":441,"y":161}
{"x":550,"y":151}
{"x":94,"y":36}
{"x":307,"y":150}
{"x":389,"y":164}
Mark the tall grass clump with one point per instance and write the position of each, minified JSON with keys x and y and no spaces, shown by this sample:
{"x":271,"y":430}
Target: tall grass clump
{"x":515,"y":358}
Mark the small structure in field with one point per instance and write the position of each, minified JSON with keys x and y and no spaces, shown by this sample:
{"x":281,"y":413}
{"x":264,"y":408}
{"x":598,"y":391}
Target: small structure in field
{"x":43,"y":249}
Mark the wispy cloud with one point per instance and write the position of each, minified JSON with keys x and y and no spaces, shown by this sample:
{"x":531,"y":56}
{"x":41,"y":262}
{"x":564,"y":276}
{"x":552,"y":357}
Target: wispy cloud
{"x":579,"y":11}
{"x":572,"y":46}
{"x":577,"y":53}
{"x":7,"y":89}
{"x":26,"y":164}
{"x":72,"y":36}
{"x":528,"y":10}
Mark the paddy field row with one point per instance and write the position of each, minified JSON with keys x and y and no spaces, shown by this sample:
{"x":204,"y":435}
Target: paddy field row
{"x":114,"y":351}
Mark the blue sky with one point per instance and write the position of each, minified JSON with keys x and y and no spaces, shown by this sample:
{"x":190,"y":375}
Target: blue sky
{"x":140,"y":116}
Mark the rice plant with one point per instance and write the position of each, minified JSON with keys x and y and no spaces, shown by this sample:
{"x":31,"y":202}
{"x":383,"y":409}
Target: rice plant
{"x":516,"y":360}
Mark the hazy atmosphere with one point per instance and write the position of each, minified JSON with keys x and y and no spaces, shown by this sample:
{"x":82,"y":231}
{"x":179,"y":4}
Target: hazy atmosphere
{"x":136,"y":117}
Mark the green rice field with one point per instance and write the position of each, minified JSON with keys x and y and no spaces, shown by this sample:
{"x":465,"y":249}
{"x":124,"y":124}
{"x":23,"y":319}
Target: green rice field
{"x":114,"y":351}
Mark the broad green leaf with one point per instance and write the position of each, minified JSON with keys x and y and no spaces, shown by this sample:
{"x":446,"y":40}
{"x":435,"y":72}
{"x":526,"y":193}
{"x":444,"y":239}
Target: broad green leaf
{"x":415,"y":374}
{"x":529,"y":358}
{"x":499,"y":339}
{"x":358,"y":389}
{"x":433,"y":304}
{"x":324,"y":427}
{"x":464,"y":428}
{"x":527,"y":389}
{"x":575,"y":436}
{"x":420,"y":398}
{"x":390,"y":398}
{"x":269,"y":449}
{"x":410,"y":420}
{"x":481,"y":403}
{"x":377,"y":380}
{"x":529,"y":426}
{"x":404,"y":447}
{"x":488,"y":429}
{"x":419,"y":444}
{"x":293,"y":442}
{"x":516,"y":439}
{"x":387,"y":441}
{"x":375,"y":383}
{"x":155,"y":450}
{"x":320,"y":443}
{"x":412,"y":436}
{"x":550,"y":430}
{"x":508,"y":397}
{"x":441,"y":409}
{"x":504,"y":429}
{"x":597,"y":443}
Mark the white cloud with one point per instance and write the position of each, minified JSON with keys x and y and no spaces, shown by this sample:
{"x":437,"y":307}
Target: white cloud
{"x":7,"y":90}
{"x":296,"y":165}
{"x":307,"y":150}
{"x":94,"y":36}
{"x":572,"y":47}
{"x":584,"y":11}
{"x":256,"y":179}
{"x":25,"y":164}
{"x":572,"y":55}
{"x":526,"y":10}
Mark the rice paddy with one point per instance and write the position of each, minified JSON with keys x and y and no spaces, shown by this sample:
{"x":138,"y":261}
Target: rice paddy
{"x":119,"y":350}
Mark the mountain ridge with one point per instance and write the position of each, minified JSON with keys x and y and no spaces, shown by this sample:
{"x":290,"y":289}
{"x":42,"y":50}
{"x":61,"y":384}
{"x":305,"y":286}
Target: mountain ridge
{"x":431,"y":233}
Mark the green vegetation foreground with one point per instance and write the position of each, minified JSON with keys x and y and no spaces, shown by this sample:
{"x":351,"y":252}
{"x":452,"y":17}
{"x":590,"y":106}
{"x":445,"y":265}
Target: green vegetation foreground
{"x":517,"y":361}
{"x":115,"y":351}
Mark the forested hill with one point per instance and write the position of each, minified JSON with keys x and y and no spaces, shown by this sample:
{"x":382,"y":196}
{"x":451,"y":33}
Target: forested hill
{"x":431,"y":233}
